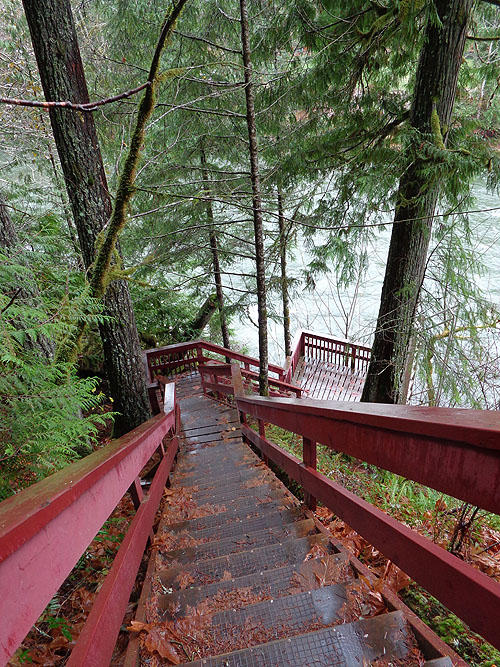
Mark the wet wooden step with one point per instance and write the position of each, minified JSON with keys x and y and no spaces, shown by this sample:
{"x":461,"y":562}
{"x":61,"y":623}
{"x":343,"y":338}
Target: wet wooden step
{"x":351,"y":644}
{"x":247,"y":562}
{"x":268,"y":584}
{"x":244,"y":541}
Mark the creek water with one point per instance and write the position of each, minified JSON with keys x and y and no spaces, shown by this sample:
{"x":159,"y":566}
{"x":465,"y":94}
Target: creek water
{"x":351,"y":313}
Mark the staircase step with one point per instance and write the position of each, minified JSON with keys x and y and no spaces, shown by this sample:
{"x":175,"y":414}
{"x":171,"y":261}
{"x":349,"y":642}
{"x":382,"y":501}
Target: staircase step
{"x":238,"y":523}
{"x":243,"y":473}
{"x":439,"y":662}
{"x":264,"y":585}
{"x":241,"y":542}
{"x":350,"y":644}
{"x":186,"y":505}
{"x":220,"y":435}
{"x":269,"y":557}
{"x":220,"y":469}
{"x":209,"y":428}
{"x":274,"y":619}
{"x":256,"y":490}
{"x":240,"y":527}
{"x":235,"y":511}
{"x":210,"y":454}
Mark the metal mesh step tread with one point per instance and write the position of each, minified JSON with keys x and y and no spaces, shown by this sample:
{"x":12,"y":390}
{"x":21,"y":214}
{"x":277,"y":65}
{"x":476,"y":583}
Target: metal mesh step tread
{"x":251,"y":488}
{"x":242,"y":542}
{"x":347,"y":645}
{"x":254,"y":493}
{"x":201,"y":464}
{"x":237,"y":510}
{"x":277,"y":618}
{"x":239,"y":525}
{"x":222,"y":433}
{"x":243,"y":473}
{"x":199,"y":441}
{"x":292,"y":550}
{"x":215,"y":443}
{"x":209,"y":427}
{"x":268,"y":584}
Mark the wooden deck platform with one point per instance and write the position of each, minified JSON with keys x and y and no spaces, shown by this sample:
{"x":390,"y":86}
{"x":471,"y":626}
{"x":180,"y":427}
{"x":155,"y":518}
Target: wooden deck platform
{"x":240,"y":574}
{"x":327,"y":381}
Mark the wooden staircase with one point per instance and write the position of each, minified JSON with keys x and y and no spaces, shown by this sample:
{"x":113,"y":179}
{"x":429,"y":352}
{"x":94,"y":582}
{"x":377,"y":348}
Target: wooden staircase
{"x":241,"y":575}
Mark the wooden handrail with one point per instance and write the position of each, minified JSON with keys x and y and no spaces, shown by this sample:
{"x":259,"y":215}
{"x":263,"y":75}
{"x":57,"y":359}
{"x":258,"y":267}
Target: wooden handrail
{"x":175,"y":352}
{"x":45,"y":529}
{"x":214,"y":372}
{"x":452,"y":450}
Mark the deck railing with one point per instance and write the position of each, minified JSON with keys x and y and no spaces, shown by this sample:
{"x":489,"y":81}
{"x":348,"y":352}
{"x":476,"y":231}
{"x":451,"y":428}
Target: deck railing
{"x":173,"y":359}
{"x":454,"y":451}
{"x":46,"y":528}
{"x":327,"y":349}
{"x":217,"y":378}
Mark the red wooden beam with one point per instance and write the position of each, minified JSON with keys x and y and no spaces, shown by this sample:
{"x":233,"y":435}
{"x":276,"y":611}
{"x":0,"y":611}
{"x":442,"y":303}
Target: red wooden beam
{"x":97,"y":640}
{"x":46,"y":528}
{"x":452,"y":450}
{"x":471,"y":595}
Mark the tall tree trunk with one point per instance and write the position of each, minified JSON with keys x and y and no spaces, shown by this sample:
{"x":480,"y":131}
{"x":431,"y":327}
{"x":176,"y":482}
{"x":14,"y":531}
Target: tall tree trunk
{"x":284,"y":280}
{"x":432,"y":105}
{"x":56,"y":49}
{"x":214,"y":249}
{"x":256,"y":203}
{"x":25,"y":291}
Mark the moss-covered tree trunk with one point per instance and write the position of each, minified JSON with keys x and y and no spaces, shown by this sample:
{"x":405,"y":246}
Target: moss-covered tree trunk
{"x":430,"y":115}
{"x":256,"y":202}
{"x":214,"y":249}
{"x":56,"y":49}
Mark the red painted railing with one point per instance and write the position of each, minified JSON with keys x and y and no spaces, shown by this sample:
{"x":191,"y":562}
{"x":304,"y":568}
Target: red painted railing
{"x":324,"y":348}
{"x":217,"y":378}
{"x":174,"y":359}
{"x":45,"y":529}
{"x":454,"y":451}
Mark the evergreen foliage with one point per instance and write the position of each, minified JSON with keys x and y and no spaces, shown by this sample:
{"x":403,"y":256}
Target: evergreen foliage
{"x":48,"y":415}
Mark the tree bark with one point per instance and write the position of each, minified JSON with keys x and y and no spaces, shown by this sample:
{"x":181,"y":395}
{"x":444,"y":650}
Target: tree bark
{"x":214,"y":249}
{"x":256,"y":203}
{"x":25,"y":291}
{"x":56,"y":49}
{"x":284,"y":280}
{"x":430,"y":114}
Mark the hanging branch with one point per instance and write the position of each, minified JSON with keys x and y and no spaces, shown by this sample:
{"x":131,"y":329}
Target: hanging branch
{"x":89,"y":106}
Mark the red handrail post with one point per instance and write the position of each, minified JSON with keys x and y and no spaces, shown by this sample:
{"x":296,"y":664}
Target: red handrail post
{"x":136,"y":492}
{"x":199,"y":354}
{"x":309,"y":457}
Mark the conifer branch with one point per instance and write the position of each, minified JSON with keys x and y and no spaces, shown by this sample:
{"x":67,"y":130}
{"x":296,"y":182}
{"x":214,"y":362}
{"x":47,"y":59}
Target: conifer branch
{"x":89,"y":106}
